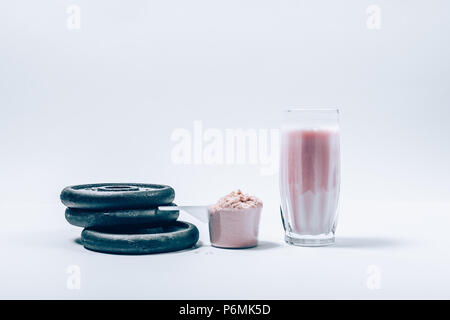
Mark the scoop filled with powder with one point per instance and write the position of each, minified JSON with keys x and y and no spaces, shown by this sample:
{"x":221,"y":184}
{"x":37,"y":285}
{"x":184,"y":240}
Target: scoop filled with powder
{"x":234,"y":221}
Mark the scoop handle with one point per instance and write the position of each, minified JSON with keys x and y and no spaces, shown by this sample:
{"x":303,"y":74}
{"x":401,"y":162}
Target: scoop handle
{"x":198,"y":212}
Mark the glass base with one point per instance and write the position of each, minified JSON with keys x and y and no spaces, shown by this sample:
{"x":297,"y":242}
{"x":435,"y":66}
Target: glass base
{"x":310,"y":241}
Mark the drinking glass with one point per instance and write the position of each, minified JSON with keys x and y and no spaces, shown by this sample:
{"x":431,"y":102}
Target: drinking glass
{"x":310,"y":175}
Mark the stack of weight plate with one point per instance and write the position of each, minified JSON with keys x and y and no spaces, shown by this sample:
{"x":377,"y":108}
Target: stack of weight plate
{"x":124,"y":218}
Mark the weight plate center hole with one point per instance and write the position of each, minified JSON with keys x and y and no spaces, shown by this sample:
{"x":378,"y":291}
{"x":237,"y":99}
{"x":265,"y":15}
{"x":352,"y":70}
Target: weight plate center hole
{"x":118,"y":188}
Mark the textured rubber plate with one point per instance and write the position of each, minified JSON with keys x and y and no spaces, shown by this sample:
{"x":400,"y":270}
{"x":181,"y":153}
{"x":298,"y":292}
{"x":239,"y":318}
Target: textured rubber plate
{"x":138,"y":240}
{"x":107,"y":196}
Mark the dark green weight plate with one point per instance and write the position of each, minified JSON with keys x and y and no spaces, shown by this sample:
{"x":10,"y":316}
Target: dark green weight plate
{"x":110,"y":196}
{"x":141,"y":240}
{"x":150,"y":217}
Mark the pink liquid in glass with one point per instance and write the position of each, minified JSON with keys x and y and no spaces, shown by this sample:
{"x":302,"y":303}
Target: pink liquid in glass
{"x":309,"y":182}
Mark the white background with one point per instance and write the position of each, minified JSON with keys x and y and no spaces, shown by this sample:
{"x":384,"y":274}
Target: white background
{"x":99,"y":104}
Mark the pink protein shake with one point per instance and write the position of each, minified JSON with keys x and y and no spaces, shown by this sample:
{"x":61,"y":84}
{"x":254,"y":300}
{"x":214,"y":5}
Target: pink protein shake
{"x":234,"y":221}
{"x":309,"y":180}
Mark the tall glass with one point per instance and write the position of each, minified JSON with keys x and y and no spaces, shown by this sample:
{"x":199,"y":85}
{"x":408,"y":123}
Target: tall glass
{"x":310,"y":175}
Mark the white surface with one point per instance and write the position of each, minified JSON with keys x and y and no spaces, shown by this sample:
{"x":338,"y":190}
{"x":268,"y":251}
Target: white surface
{"x":409,"y":248}
{"x":100,"y":104}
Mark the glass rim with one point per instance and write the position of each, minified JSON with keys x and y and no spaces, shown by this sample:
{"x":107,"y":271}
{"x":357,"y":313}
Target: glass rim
{"x":311,"y":108}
